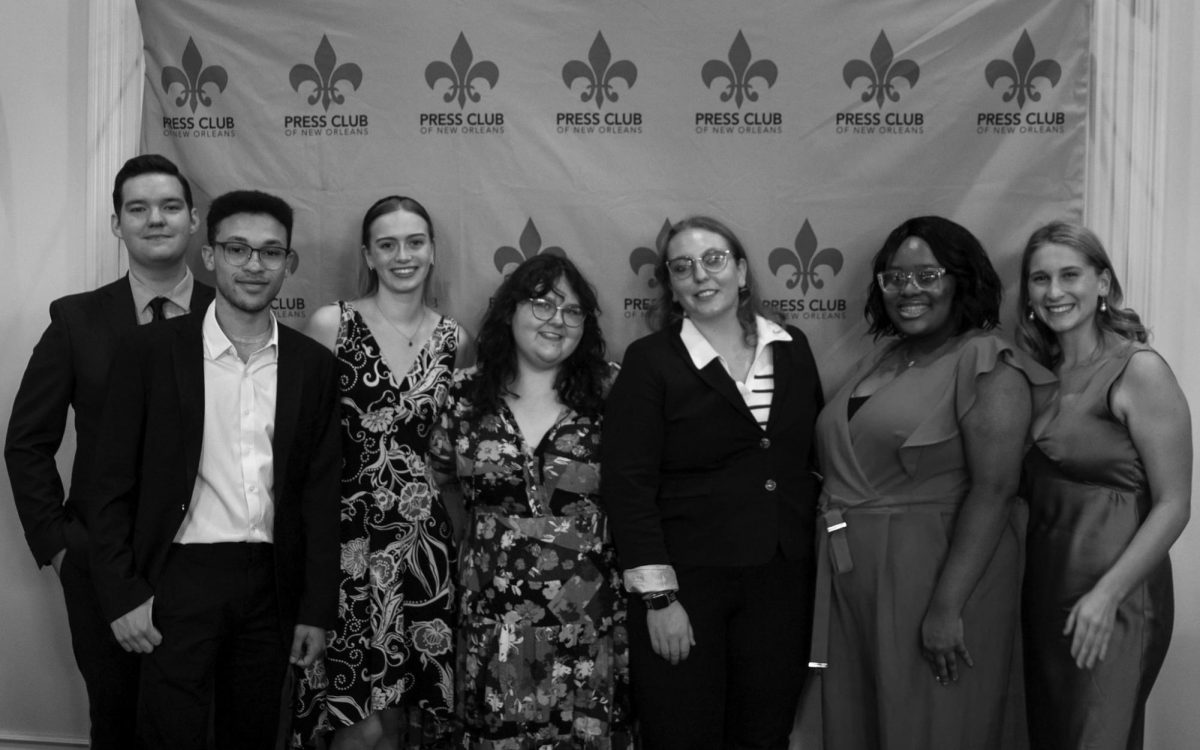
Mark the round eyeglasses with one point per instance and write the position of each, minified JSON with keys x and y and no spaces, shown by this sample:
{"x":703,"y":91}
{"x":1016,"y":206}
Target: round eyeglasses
{"x":545,"y":309}
{"x":272,"y":257}
{"x":926,"y":279}
{"x":712,"y":260}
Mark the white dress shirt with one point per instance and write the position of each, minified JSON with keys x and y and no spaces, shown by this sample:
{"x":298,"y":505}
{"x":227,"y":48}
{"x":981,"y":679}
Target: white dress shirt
{"x":233,"y":499}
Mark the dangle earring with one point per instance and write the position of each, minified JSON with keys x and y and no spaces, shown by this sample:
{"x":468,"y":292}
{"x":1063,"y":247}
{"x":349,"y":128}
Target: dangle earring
{"x":1103,"y":305}
{"x":1029,"y":314}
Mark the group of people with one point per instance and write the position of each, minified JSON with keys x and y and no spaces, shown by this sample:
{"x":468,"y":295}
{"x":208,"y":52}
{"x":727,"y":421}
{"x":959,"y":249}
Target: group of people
{"x":510,"y":542}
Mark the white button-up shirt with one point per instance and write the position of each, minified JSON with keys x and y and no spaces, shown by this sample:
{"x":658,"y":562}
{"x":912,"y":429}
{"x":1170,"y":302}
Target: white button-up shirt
{"x":233,"y":499}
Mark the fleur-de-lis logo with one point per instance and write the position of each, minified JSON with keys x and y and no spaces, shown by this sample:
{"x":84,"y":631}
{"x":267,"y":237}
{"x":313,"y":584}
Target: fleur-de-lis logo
{"x":600,"y":74}
{"x":740,"y":72}
{"x":193,"y":78}
{"x":881,"y":73}
{"x":643,"y":256}
{"x":805,"y":260}
{"x":1023,"y":71}
{"x":531,"y":245}
{"x":462,"y":71}
{"x":325,"y":76}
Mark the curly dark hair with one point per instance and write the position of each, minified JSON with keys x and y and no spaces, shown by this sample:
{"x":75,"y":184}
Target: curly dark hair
{"x":977,"y":287}
{"x":580,"y":379}
{"x":1035,"y":336}
{"x":668,"y":311}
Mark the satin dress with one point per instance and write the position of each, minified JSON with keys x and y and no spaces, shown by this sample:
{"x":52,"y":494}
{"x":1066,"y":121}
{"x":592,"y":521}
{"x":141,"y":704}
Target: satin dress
{"x":895,"y":475}
{"x":1088,"y":495}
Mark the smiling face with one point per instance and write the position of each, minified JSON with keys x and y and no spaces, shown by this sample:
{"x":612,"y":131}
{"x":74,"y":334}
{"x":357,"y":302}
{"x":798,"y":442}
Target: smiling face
{"x":546,"y":344}
{"x":154,"y":221}
{"x":1064,"y":288}
{"x":400,"y":251}
{"x":705,"y":296}
{"x":249,"y":288}
{"x":920,"y":313}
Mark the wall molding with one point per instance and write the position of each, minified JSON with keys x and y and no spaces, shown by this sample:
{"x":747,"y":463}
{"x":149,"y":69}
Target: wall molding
{"x":1126,"y":163}
{"x":115,"y":73}
{"x":16,"y":741}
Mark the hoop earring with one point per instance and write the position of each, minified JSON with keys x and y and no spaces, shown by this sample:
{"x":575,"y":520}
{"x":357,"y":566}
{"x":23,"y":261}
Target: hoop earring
{"x":1103,"y":305}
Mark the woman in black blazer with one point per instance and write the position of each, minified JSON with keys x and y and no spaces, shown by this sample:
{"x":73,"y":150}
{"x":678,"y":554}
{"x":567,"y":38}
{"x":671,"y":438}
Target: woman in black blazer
{"x":706,"y":477}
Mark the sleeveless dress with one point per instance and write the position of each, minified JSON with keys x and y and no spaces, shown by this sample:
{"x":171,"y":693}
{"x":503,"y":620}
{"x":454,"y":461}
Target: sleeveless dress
{"x":1088,"y":495}
{"x":393,"y":644}
{"x":543,"y":655}
{"x":895,"y":476}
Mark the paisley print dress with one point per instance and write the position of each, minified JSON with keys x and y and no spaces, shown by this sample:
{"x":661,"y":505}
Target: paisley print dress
{"x":393,"y":644}
{"x":542,"y":647}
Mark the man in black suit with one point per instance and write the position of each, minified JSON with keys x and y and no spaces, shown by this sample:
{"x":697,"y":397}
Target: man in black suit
{"x":214,"y":502}
{"x":154,"y":216}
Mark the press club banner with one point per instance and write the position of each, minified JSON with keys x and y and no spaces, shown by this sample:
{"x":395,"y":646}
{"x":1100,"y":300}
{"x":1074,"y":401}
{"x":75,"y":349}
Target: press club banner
{"x":586,"y":128}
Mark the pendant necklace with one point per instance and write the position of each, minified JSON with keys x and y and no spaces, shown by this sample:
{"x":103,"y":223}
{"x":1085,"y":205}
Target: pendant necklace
{"x":398,"y":329}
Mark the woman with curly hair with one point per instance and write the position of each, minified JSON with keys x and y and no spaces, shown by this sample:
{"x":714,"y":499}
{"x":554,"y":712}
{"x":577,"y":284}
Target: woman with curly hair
{"x":921,"y":452}
{"x":1109,"y":487}
{"x":389,"y":661}
{"x":542,"y":655}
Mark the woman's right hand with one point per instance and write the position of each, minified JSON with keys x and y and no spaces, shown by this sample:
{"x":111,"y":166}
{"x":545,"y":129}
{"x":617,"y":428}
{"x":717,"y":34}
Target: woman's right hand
{"x":670,"y":632}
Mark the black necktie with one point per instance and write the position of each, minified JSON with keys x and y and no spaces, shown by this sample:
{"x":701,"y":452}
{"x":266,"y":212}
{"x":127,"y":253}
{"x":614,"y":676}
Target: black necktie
{"x":156,"y":309}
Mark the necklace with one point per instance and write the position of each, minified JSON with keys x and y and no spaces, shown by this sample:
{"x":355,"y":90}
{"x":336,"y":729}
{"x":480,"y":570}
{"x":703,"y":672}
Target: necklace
{"x":398,"y":329}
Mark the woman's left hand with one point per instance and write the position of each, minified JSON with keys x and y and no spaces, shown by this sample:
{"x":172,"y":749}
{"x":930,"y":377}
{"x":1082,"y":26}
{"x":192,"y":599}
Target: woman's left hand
{"x":943,"y":644}
{"x":1090,"y":626}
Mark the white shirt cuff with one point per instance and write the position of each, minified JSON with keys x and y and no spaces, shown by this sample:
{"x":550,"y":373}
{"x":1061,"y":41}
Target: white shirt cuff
{"x":648,"y":579}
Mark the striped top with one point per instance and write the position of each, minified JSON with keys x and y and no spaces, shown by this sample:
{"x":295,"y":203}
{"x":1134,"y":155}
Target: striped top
{"x":759,"y":386}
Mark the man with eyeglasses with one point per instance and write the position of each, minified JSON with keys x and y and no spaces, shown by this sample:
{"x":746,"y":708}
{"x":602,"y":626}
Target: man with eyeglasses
{"x":215,"y":500}
{"x":153,"y":216}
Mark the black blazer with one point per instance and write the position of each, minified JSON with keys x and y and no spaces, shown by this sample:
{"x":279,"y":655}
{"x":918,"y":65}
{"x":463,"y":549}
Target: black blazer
{"x":688,"y":477}
{"x":147,"y":463}
{"x":68,"y":369}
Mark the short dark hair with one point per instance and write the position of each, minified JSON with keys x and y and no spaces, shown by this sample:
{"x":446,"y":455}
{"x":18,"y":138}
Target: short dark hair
{"x":248,"y":202}
{"x":147,"y":164}
{"x":368,"y":278}
{"x":667,"y":310}
{"x":1034,"y":335}
{"x":580,"y":379}
{"x":977,"y":287}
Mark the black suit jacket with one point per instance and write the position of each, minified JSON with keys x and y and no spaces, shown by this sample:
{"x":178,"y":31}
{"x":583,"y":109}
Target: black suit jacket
{"x":146,"y":469}
{"x":688,"y":476}
{"x":68,"y":369}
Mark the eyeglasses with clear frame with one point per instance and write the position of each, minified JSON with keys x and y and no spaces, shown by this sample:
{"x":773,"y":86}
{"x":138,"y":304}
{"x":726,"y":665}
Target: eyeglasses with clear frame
{"x":272,"y":257}
{"x":545,"y":309}
{"x":926,"y":279}
{"x":712,"y":260}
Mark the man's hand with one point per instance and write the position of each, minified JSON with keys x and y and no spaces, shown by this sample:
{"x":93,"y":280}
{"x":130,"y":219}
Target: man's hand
{"x":135,"y":629}
{"x":307,"y":645}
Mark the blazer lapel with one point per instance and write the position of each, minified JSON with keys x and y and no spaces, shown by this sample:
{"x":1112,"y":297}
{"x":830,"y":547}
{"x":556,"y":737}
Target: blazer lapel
{"x":288,"y":387}
{"x":188,"y":356}
{"x":785,"y":386}
{"x":717,"y":378}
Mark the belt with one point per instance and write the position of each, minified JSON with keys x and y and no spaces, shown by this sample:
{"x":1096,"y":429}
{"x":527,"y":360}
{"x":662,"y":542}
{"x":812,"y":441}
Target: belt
{"x":833,"y":551}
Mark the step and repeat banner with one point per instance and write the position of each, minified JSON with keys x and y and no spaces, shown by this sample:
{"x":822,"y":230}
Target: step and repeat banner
{"x":585,"y":128}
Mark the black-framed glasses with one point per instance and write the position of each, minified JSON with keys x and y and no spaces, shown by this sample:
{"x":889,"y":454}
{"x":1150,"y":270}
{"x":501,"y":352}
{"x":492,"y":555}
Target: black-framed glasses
{"x":712,"y":260}
{"x":272,"y":257}
{"x":926,"y":279}
{"x":545,"y":309}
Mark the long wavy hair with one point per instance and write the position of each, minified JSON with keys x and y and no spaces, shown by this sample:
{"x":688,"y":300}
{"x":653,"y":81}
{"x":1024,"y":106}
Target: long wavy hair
{"x":1034,"y":335}
{"x":977,"y":287}
{"x":667,"y":310}
{"x":368,"y":279}
{"x":580,"y":379}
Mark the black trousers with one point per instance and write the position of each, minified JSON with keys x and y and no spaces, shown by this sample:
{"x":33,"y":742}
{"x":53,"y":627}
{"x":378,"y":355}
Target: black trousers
{"x":110,"y":673}
{"x":223,"y":653}
{"x":740,"y":685}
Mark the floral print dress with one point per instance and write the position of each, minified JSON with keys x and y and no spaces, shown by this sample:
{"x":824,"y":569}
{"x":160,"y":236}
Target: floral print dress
{"x":392,"y":645}
{"x":542,"y":645}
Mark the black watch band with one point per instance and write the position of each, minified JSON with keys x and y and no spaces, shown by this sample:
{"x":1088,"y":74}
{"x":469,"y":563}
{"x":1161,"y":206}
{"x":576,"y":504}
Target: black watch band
{"x":660,"y":599}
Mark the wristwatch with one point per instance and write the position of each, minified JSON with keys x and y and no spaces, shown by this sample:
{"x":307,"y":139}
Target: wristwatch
{"x":660,"y":599}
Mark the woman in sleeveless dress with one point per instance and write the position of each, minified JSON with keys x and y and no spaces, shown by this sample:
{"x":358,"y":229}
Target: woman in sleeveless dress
{"x":919,"y":572}
{"x":1109,"y":488}
{"x":542,"y":659}
{"x":392,"y":648}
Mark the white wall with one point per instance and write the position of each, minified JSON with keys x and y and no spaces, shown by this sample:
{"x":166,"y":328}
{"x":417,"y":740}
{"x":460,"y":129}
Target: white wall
{"x":43,"y":151}
{"x":43,"y":142}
